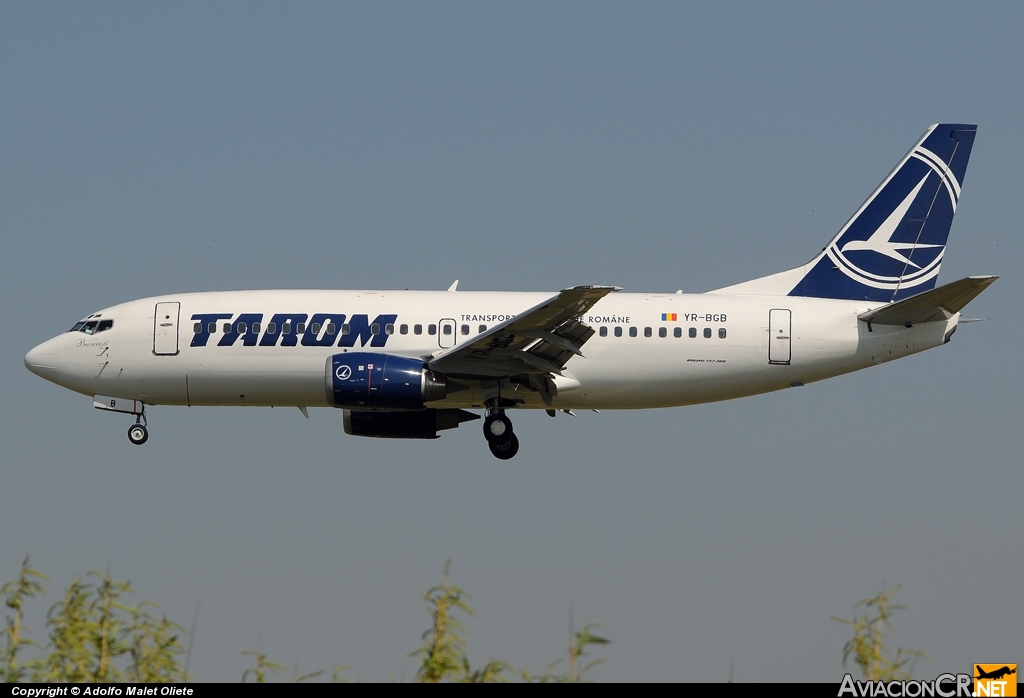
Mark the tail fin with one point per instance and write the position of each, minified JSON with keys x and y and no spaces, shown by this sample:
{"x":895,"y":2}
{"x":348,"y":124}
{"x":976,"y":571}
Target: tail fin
{"x":892,"y":246}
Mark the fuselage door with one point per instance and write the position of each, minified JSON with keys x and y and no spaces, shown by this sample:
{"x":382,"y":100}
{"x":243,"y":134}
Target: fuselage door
{"x":446,"y":333}
{"x":165,"y":329}
{"x":780,"y":326}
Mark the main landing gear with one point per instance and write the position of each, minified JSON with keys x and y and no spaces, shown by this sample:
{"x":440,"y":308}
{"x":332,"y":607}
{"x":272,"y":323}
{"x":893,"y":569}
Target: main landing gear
{"x":498,"y":432}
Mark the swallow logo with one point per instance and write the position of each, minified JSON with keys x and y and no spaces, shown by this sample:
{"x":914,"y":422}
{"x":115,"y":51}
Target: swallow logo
{"x":343,"y":373}
{"x":881,"y":240}
{"x":887,"y":251}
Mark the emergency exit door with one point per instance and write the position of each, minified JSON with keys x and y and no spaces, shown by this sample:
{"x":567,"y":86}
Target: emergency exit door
{"x":165,"y":329}
{"x":780,"y":326}
{"x":446,"y":333}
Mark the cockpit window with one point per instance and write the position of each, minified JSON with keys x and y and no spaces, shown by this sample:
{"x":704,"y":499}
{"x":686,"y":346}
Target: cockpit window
{"x":92,"y":326}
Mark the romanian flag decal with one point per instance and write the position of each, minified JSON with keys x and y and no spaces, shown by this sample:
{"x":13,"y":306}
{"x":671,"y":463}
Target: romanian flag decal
{"x":669,"y":317}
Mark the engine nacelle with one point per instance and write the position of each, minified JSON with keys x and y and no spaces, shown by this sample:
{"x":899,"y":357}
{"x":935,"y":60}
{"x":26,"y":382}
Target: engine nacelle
{"x":364,"y":381}
{"x":423,"y":424}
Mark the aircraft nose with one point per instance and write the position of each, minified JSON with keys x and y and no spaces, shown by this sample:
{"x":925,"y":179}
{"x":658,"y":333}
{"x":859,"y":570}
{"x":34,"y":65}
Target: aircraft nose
{"x":42,"y":360}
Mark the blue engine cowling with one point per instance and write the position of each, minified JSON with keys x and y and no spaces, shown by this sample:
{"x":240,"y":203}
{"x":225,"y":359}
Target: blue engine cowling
{"x":364,"y":381}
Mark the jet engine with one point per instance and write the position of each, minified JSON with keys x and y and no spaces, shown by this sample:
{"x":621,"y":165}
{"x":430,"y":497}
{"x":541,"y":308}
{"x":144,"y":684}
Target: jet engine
{"x":365,"y":381}
{"x":423,"y":424}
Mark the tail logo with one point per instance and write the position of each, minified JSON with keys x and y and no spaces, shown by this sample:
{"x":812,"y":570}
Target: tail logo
{"x":885,"y":245}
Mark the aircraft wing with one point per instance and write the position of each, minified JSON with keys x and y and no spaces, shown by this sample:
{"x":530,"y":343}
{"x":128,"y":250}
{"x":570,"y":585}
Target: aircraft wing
{"x":537,"y":341}
{"x":936,"y":305}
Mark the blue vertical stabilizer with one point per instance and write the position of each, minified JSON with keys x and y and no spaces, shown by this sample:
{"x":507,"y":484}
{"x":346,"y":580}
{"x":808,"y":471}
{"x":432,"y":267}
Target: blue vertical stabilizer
{"x":893,"y":245}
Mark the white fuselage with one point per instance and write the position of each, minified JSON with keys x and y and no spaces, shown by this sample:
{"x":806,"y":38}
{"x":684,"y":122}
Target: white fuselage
{"x":728,"y":346}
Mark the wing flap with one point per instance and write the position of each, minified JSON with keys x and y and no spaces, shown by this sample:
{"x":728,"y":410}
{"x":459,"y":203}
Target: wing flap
{"x":539,"y":340}
{"x":937,"y":305}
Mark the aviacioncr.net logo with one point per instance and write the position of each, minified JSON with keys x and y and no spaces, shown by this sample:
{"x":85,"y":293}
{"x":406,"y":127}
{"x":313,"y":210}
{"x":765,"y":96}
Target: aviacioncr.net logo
{"x":995,"y":680}
{"x":944,"y":686}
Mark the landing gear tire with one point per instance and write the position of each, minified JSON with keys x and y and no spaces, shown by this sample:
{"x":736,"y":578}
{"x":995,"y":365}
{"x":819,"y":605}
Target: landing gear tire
{"x":497,"y":429}
{"x":505,"y":449}
{"x":138,"y":434}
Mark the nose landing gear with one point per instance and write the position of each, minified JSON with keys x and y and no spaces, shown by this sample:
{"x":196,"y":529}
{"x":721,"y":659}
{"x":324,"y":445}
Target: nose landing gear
{"x":138,"y":434}
{"x":498,"y":431}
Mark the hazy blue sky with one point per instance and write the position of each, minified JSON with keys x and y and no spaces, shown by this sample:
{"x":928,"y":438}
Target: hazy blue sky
{"x":148,"y":148}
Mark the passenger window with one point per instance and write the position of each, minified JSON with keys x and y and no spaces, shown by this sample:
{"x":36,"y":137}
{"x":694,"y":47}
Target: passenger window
{"x":375,"y":328}
{"x":300,"y":328}
{"x":677,"y":332}
{"x":331,"y":328}
{"x":465,"y":329}
{"x":417,"y":329}
{"x":648,"y":332}
{"x":105,"y":325}
{"x":707,"y":333}
{"x":618,"y":331}
{"x":447,"y":329}
{"x":603,"y":331}
{"x":197,"y":328}
{"x":483,"y":328}
{"x":693,"y":332}
{"x":255,"y":328}
{"x":431,"y":330}
{"x":271,"y":328}
{"x":212,"y":328}
{"x":227,"y":327}
{"x":632,"y":332}
{"x":314,"y":328}
{"x":286,"y":328}
{"x":389,"y":328}
{"x":404,"y":329}
{"x":721,"y":333}
{"x":241,"y":328}
{"x":662,"y":332}
{"x":346,"y":328}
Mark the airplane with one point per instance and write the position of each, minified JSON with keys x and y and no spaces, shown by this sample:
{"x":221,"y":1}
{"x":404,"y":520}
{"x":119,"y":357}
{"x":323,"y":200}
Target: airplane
{"x":409,"y":364}
{"x":995,"y":673}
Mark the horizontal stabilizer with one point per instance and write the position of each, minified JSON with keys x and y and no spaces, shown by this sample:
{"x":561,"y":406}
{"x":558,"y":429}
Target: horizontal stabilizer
{"x":937,"y":305}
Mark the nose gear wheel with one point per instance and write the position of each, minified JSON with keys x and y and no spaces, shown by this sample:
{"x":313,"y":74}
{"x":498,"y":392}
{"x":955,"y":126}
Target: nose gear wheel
{"x":138,"y":434}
